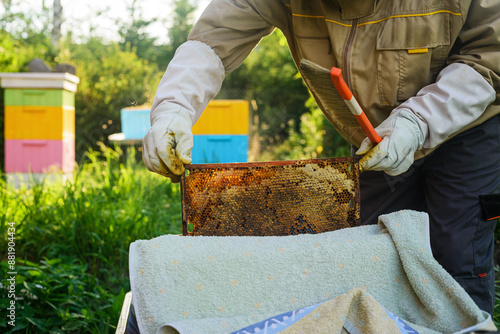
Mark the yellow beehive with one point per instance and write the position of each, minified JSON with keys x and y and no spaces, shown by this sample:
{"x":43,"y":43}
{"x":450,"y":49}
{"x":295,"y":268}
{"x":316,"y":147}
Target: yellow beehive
{"x":223,"y":117}
{"x":39,"y":122}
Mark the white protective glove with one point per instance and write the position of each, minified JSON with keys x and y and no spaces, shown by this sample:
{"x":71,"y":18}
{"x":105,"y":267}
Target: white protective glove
{"x":168,"y":143}
{"x":402,"y":137}
{"x":457,"y":98}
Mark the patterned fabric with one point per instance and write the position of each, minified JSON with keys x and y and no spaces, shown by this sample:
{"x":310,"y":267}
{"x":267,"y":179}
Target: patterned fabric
{"x":334,"y":315}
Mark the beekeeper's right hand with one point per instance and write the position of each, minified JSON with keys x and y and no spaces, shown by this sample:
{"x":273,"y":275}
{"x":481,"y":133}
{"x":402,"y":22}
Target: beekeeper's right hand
{"x":168,"y":143}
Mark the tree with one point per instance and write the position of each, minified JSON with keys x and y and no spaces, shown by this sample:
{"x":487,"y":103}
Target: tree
{"x":134,"y":37}
{"x":178,"y":31}
{"x":182,"y":23}
{"x":56,"y":28}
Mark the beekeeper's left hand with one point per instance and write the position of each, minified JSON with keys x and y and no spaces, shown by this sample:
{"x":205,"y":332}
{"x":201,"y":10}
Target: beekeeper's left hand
{"x":402,"y":137}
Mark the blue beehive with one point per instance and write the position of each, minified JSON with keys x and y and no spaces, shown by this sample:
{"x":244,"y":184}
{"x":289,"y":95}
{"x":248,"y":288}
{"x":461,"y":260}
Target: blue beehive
{"x":219,"y":148}
{"x":135,"y":121}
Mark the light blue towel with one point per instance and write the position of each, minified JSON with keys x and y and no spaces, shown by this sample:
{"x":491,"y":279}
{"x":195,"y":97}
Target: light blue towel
{"x":221,"y":284}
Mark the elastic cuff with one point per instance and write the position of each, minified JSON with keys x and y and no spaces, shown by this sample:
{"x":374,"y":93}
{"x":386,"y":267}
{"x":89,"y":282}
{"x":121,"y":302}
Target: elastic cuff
{"x":216,"y":58}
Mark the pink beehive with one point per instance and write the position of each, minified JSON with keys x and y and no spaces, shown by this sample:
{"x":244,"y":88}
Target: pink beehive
{"x":39,"y":156}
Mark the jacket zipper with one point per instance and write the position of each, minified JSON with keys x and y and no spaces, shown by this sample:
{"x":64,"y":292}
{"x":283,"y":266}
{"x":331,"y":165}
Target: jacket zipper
{"x":347,"y":53}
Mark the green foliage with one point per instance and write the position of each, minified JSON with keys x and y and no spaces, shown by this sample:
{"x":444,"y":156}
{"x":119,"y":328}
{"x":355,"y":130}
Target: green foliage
{"x":316,"y":138}
{"x":90,"y":211}
{"x":307,"y":143}
{"x":60,"y":296}
{"x":31,"y":27}
{"x":11,"y":59}
{"x":135,"y":40}
{"x":76,"y":237}
{"x":134,"y":37}
{"x":182,"y":22}
{"x":178,"y":31}
{"x":110,"y":79}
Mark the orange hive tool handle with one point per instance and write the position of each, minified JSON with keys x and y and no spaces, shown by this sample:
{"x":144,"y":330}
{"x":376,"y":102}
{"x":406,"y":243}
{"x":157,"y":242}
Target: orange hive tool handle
{"x":348,"y":97}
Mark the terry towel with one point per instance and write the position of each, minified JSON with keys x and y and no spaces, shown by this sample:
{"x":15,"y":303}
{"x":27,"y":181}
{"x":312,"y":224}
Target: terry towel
{"x":186,"y":284}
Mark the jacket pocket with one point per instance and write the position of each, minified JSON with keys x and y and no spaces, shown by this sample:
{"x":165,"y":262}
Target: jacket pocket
{"x":312,"y":37}
{"x":490,"y":205}
{"x":316,"y":49}
{"x":411,"y":51}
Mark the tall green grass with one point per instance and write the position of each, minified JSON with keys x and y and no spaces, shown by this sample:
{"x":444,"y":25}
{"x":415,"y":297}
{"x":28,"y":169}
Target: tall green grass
{"x":72,"y":241}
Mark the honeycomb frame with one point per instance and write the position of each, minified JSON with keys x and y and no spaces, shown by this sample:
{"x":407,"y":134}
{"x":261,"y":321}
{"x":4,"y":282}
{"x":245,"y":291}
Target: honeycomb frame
{"x":270,"y":198}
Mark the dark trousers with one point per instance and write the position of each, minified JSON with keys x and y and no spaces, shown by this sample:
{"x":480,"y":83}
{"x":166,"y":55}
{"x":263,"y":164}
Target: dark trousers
{"x":447,"y":184}
{"x":132,"y":326}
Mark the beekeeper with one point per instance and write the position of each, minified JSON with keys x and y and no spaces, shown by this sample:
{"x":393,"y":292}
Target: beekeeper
{"x":426,"y":73}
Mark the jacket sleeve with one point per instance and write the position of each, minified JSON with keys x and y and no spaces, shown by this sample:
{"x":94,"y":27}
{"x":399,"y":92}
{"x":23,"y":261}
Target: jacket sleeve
{"x":478,"y":43}
{"x":468,"y":84}
{"x":234,"y":27}
{"x":220,"y":40}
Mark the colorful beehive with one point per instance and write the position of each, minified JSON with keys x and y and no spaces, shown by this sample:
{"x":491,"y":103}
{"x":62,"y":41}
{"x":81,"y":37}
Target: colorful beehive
{"x":135,"y":121}
{"x":221,"y":133}
{"x":39,"y":122}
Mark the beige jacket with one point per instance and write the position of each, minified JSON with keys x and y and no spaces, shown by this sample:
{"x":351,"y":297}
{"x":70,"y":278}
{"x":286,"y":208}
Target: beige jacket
{"x":388,"y":51}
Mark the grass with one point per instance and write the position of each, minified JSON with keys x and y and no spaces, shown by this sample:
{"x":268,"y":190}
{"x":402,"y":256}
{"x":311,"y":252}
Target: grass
{"x":72,"y":242}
